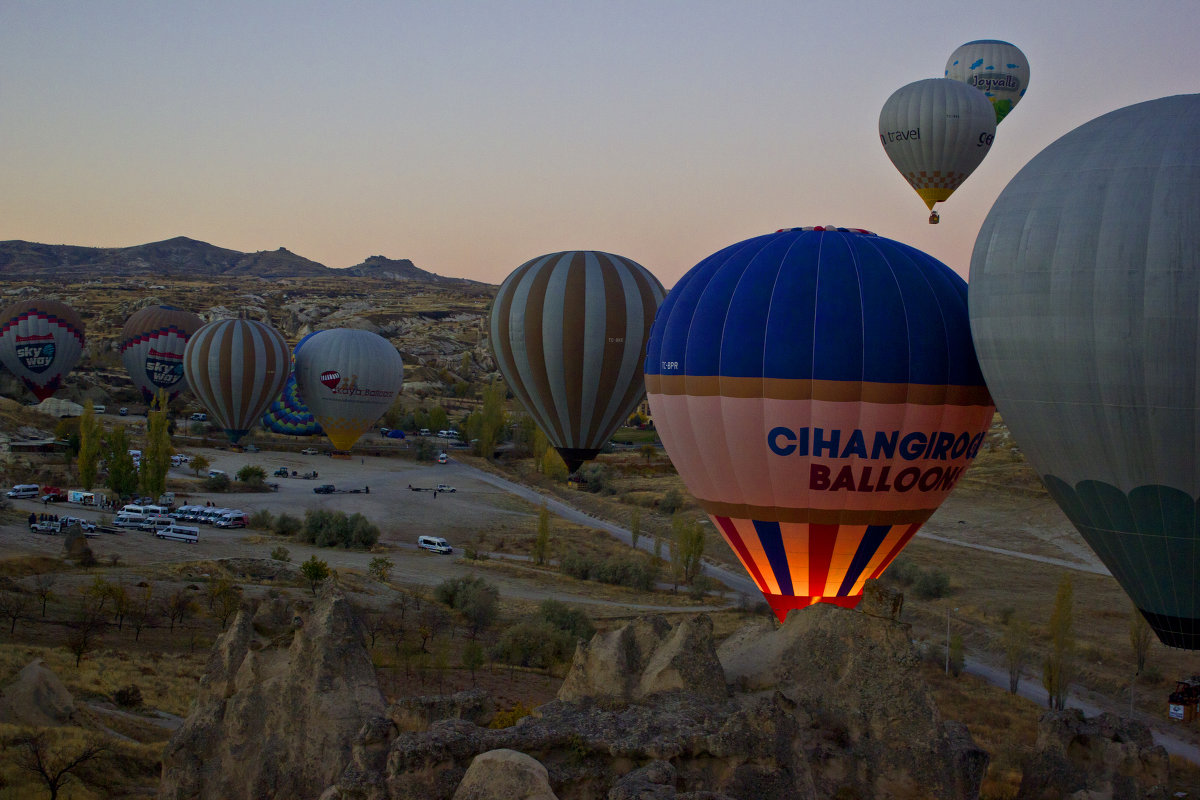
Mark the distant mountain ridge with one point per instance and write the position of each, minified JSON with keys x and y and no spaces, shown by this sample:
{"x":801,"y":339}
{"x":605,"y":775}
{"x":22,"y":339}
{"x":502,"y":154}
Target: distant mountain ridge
{"x":182,"y":257}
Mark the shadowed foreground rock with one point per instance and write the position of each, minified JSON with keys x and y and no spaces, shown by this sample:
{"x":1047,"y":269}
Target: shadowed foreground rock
{"x":1102,"y":757}
{"x":279,"y":706}
{"x":831,"y":704}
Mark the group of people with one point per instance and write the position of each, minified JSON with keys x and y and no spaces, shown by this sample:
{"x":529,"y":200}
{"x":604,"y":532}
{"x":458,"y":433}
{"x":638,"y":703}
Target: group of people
{"x":36,"y":518}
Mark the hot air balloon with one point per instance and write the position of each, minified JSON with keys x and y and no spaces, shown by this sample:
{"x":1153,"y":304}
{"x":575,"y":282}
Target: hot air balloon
{"x":569,"y":334}
{"x":998,"y":69}
{"x":288,"y":415}
{"x":40,"y":342}
{"x":235,"y":367}
{"x":936,"y":132}
{"x":817,"y":391}
{"x":348,"y":378}
{"x":152,"y":345}
{"x":1085,"y":306}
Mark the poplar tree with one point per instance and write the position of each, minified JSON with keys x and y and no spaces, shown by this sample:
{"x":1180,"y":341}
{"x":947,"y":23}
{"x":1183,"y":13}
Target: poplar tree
{"x":90,"y":434}
{"x":122,"y":472}
{"x":1058,"y":669}
{"x":156,"y":461}
{"x":542,"y":543}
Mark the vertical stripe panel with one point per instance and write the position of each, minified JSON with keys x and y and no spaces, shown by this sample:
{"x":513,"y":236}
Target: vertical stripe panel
{"x":872,"y":538}
{"x":909,"y":532}
{"x":529,"y":345}
{"x":795,"y":545}
{"x":567,"y":366}
{"x":821,"y":541}
{"x":593,"y":380}
{"x":771,"y":538}
{"x":749,"y":536}
{"x":730,"y":532}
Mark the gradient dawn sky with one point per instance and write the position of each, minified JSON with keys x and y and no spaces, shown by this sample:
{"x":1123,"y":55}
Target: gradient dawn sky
{"x":471,"y":137}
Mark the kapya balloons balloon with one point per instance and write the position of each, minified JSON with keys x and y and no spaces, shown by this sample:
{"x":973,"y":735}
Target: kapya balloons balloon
{"x":348,"y":378}
{"x":152,"y":344}
{"x":936,"y":132}
{"x":569,"y":332}
{"x":235,"y":367}
{"x":817,"y":391}
{"x":998,"y":69}
{"x":1085,"y":305}
{"x":40,"y":342}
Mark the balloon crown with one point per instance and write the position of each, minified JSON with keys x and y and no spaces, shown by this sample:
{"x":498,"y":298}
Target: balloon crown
{"x":831,"y":228}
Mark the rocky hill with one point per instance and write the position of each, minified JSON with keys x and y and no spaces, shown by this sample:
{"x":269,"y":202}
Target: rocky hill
{"x":182,"y":257}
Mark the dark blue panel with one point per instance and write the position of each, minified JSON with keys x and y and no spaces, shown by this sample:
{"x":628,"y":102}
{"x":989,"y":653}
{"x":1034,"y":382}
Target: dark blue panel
{"x":744,"y":339}
{"x":789,"y":348}
{"x":838,"y":351}
{"x":874,"y":536}
{"x":885,"y":326}
{"x":771,"y":539}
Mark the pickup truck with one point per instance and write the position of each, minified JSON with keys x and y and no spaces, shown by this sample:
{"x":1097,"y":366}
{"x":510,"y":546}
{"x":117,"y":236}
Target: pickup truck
{"x":326,"y":488}
{"x":310,"y":451}
{"x":441,"y":487}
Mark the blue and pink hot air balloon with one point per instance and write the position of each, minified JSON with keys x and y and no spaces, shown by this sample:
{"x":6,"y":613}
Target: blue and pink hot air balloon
{"x":818,"y":392}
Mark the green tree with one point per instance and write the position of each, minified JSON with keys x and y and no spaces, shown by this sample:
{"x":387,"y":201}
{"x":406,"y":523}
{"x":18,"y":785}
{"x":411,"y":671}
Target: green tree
{"x":1015,"y":641}
{"x":122,"y":472}
{"x":51,"y":758}
{"x":315,"y":571}
{"x":1059,"y":666}
{"x":687,"y":549}
{"x":252,"y":475}
{"x":473,"y":658}
{"x":957,"y":655}
{"x":541,"y":544}
{"x":492,"y":418}
{"x":90,"y":446}
{"x":156,"y":459}
{"x":553,"y":466}
{"x":649,"y":452}
{"x":464,"y":363}
{"x":439,"y":420}
{"x":541,"y":443}
{"x":635,"y":527}
{"x":381,"y":568}
{"x":200,"y":464}
{"x":1140,"y":637}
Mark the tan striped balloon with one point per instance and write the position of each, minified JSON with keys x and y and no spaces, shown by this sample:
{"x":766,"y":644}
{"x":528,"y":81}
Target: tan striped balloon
{"x":569,"y":334}
{"x":236,"y":367}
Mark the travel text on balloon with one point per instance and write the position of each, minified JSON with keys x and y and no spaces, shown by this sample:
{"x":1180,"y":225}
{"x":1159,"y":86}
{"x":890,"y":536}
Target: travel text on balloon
{"x":899,"y":136}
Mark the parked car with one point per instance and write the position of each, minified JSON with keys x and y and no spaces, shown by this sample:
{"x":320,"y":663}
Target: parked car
{"x":251,"y":448}
{"x":435,"y":544}
{"x":124,"y":412}
{"x":442,"y":487}
{"x":443,"y":458}
{"x":86,"y":524}
{"x":310,"y":451}
{"x":199,"y":416}
{"x":325,"y":488}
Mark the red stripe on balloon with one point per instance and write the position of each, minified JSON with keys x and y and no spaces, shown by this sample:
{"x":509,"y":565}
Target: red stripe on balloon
{"x":821,"y":541}
{"x":908,"y":534}
{"x":732,"y":536}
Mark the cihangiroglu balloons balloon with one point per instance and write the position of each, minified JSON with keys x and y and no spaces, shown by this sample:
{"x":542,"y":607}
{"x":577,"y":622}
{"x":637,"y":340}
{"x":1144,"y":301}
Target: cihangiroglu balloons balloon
{"x":40,"y":342}
{"x":1085,"y":306}
{"x":235,"y":367}
{"x":569,"y":331}
{"x":152,"y":345}
{"x":288,"y":415}
{"x":936,"y":132}
{"x":817,"y":391}
{"x":998,"y":69}
{"x":348,"y":378}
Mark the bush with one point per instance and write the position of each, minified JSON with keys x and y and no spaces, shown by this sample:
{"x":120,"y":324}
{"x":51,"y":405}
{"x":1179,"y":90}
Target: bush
{"x":216,"y":483}
{"x":281,"y":553}
{"x":533,"y":643}
{"x":576,"y":565}
{"x":262,"y":520}
{"x":252,"y":475}
{"x":326,"y":528}
{"x":671,"y":502}
{"x":567,"y":619}
{"x":128,"y":697}
{"x":903,"y":571}
{"x":287,"y":525}
{"x":932,"y":585}
{"x":636,"y":572}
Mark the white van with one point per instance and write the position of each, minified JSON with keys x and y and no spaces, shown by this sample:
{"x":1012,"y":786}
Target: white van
{"x":99,"y":409}
{"x":212,"y":473}
{"x":232,"y":519}
{"x":179,"y":533}
{"x":199,"y":416}
{"x":133,"y":509}
{"x":24,"y":490}
{"x":154,"y":522}
{"x":127,"y":520}
{"x":435,"y":543}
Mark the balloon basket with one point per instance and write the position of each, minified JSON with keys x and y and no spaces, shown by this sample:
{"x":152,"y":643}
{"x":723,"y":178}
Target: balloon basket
{"x":781,"y":604}
{"x":342,"y":454}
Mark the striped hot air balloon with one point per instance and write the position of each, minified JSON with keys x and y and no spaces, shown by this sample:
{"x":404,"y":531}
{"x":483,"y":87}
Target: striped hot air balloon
{"x":348,"y":378}
{"x":235,"y":368}
{"x":40,"y":342}
{"x":936,"y":132}
{"x":569,"y":333}
{"x":818,"y":393}
{"x":152,"y":345}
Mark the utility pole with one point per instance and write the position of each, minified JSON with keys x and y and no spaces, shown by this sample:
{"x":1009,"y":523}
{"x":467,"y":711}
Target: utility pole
{"x":948,"y":639}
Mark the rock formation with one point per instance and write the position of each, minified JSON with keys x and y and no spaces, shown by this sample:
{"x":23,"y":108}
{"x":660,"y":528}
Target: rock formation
{"x":1102,"y":757}
{"x":36,"y":698}
{"x":505,"y":775}
{"x":278,"y":708}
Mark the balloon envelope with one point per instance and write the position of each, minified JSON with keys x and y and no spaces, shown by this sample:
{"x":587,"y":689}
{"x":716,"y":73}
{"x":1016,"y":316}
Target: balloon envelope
{"x":818,"y":393}
{"x":235,"y":367}
{"x":936,"y":132}
{"x":40,"y":342}
{"x":288,"y":415}
{"x":998,"y":69}
{"x":1085,"y":305}
{"x":152,"y":345}
{"x":569,"y":331}
{"x":348,"y":378}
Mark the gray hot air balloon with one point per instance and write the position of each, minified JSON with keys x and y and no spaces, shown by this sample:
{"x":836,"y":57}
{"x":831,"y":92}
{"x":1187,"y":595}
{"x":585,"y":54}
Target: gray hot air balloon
{"x":1085,"y":310}
{"x":569,"y":333}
